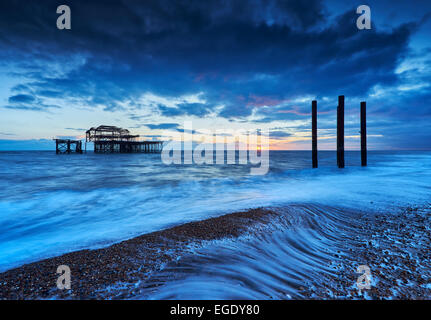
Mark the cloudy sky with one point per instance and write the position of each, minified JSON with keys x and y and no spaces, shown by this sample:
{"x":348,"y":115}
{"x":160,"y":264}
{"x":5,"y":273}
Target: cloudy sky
{"x":222,"y":64}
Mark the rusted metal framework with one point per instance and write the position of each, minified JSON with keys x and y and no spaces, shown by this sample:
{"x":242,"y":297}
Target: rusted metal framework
{"x":67,"y":146}
{"x":111,"y":139}
{"x":109,"y":133}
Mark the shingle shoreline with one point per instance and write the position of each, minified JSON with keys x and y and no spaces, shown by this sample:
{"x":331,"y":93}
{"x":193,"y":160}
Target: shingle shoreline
{"x":126,"y":262}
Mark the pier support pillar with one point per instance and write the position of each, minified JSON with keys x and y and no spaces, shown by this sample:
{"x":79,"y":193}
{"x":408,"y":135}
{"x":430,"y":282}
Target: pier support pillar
{"x":314,"y":132}
{"x":340,"y":132}
{"x":363,"y":133}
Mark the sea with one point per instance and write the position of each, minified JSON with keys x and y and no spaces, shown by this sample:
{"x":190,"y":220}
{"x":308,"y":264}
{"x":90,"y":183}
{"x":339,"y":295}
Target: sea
{"x":53,"y":204}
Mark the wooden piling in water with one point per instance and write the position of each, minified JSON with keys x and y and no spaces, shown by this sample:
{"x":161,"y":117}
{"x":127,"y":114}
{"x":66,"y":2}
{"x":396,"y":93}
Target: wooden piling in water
{"x":340,"y":132}
{"x":314,"y":132}
{"x":363,"y":133}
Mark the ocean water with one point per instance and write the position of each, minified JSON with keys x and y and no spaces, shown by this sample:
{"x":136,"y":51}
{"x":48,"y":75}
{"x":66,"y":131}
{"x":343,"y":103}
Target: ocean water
{"x":298,"y":250}
{"x":52,"y":204}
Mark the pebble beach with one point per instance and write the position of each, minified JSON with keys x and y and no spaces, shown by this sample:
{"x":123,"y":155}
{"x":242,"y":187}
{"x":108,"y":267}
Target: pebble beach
{"x":395,"y":245}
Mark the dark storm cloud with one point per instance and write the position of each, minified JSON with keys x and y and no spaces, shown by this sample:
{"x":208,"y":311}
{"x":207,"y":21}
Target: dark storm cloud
{"x":49,"y":93}
{"x":27,"y":102}
{"x":219,"y":46}
{"x":39,"y":107}
{"x":20,"y":88}
{"x":246,"y":55}
{"x":279,"y":135}
{"x":168,"y":126}
{"x":21,"y":98}
{"x":163,"y":126}
{"x":195,"y":109}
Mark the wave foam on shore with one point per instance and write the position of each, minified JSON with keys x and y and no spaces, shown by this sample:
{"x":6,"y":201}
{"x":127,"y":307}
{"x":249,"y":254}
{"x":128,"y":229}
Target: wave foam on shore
{"x":292,"y":252}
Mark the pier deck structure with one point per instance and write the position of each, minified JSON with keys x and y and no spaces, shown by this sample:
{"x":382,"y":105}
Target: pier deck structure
{"x":67,"y":146}
{"x":111,"y":139}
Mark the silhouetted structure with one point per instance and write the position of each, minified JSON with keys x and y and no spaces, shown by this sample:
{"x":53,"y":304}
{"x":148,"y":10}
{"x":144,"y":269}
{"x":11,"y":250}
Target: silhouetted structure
{"x":67,"y":146}
{"x":363,"y":133}
{"x":314,"y":131}
{"x":111,"y":139}
{"x":340,"y":132}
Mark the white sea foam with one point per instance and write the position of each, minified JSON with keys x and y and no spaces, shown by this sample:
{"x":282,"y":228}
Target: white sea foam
{"x":93,"y":201}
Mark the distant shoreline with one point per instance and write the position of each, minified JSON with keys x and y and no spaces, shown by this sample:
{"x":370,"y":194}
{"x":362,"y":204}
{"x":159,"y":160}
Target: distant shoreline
{"x":276,"y":150}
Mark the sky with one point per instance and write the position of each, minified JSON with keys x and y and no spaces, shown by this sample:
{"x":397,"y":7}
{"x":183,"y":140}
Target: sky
{"x":242,"y":65}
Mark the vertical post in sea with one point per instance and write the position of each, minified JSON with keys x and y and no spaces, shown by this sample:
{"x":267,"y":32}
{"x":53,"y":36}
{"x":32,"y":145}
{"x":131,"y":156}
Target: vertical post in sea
{"x":340,"y":132}
{"x":314,"y":132}
{"x":363,"y":133}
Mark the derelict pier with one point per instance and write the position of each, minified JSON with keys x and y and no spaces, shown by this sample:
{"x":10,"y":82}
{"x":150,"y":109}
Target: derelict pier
{"x":111,"y":139}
